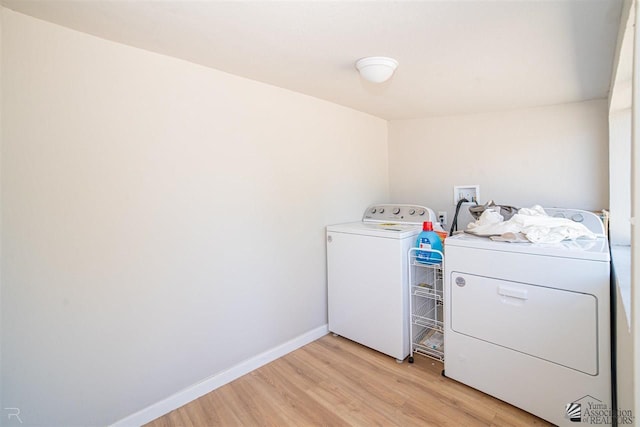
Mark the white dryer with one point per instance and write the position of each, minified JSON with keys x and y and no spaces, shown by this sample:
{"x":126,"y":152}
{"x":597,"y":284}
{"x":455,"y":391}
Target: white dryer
{"x":530,"y":323}
{"x":367,"y":269}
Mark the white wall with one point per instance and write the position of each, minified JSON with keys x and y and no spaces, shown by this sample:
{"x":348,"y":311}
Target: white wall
{"x":161,"y":221}
{"x":1,"y":233}
{"x":635,"y":212}
{"x":619,"y":176}
{"x":622,"y":122}
{"x":552,"y":156}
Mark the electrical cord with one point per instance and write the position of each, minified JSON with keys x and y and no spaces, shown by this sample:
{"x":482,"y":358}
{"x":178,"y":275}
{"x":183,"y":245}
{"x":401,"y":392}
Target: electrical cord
{"x":454,"y":223}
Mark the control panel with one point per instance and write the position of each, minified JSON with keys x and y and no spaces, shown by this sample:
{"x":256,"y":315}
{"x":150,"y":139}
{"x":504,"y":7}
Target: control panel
{"x":588,"y":219}
{"x":398,"y":213}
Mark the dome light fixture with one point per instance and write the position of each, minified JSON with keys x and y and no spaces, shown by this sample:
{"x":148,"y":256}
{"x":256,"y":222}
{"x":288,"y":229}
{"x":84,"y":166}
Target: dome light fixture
{"x":376,"y":69}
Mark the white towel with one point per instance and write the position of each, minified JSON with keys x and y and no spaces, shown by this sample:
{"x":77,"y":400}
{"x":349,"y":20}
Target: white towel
{"x":534,"y":223}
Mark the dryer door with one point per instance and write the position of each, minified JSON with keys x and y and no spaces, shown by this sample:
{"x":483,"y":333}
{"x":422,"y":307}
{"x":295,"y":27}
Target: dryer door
{"x":551,"y":324}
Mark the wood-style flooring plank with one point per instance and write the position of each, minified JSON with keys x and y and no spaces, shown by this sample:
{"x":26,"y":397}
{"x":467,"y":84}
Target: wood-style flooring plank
{"x":336,"y":382}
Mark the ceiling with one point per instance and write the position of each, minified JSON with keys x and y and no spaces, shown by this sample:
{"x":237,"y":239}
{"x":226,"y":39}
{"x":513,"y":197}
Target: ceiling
{"x":456,"y":57}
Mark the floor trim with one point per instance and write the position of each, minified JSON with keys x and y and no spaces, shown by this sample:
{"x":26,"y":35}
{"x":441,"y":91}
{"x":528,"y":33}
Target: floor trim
{"x":193,"y":392}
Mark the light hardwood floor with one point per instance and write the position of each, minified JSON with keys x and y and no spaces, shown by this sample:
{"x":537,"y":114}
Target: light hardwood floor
{"x":336,"y":382}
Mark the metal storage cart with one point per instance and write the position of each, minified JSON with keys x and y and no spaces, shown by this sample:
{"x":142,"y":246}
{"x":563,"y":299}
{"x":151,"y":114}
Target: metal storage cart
{"x":426,"y":305}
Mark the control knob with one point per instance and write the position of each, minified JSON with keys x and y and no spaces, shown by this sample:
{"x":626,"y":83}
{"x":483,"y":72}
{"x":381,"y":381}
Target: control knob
{"x":577,"y":217}
{"x":396,"y":211}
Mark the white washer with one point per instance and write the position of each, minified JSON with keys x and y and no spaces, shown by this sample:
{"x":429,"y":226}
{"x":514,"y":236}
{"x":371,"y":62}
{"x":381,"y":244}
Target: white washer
{"x":367,"y":276}
{"x":530,"y":323}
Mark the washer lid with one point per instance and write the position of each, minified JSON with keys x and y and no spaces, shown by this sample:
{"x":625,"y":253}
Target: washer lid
{"x":596,"y":250}
{"x":387,"y":230}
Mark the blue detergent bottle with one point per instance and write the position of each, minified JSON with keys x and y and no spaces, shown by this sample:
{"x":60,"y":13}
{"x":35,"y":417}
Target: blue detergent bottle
{"x":428,"y":239}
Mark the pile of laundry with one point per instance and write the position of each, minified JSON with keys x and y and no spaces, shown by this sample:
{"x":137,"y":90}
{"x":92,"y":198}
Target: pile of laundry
{"x":527,"y":225}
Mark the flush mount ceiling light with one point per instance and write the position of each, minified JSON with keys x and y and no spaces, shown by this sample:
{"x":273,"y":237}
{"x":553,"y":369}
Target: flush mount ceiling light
{"x":376,"y":69}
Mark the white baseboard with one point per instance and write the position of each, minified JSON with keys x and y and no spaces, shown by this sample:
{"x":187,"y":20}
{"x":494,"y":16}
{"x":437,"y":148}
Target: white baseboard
{"x":193,"y":392}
